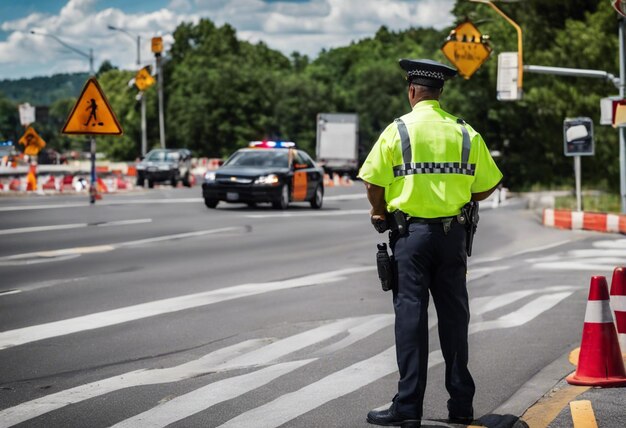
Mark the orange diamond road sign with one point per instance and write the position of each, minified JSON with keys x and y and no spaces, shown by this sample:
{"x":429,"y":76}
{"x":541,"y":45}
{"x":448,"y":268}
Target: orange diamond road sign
{"x":32,"y":142}
{"x":466,"y":49}
{"x":143,"y":79}
{"x":92,"y":114}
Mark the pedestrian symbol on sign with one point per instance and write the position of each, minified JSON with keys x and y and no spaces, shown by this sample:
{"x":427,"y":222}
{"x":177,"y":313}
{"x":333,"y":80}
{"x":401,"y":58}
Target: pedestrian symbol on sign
{"x":93,"y":107}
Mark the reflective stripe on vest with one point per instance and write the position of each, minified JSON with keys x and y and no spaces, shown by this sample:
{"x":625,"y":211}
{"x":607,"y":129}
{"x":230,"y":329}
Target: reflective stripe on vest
{"x":410,"y":168}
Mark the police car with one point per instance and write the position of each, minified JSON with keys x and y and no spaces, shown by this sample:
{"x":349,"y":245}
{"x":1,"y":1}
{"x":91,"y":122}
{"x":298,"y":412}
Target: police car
{"x":266,"y":171}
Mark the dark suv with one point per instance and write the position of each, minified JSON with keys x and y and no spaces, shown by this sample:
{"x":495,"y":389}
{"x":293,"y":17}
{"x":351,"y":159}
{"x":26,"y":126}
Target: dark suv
{"x":165,"y":165}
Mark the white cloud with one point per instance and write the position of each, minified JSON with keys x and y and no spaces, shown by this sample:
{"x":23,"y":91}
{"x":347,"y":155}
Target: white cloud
{"x":306,"y":27}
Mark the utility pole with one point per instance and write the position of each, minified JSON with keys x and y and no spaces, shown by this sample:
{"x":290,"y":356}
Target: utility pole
{"x":622,"y":130}
{"x":144,"y":128}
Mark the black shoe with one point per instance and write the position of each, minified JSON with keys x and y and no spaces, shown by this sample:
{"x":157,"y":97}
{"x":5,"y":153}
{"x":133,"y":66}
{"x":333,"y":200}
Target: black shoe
{"x":389,"y":417}
{"x":465,"y":420}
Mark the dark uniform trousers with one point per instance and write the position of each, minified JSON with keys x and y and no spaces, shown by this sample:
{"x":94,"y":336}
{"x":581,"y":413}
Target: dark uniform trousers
{"x":429,"y":259}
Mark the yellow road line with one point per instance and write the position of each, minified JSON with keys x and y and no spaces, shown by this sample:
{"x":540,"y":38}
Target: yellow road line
{"x":545,"y":410}
{"x":582,"y":414}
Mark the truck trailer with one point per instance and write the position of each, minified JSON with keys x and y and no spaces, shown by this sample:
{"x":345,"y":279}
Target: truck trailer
{"x":337,"y":148}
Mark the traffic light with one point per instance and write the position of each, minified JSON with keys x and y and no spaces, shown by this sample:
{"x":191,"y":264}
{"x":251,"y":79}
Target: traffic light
{"x":578,"y":137}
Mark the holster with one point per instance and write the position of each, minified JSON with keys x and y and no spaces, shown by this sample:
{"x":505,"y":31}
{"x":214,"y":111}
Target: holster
{"x":469,"y":212}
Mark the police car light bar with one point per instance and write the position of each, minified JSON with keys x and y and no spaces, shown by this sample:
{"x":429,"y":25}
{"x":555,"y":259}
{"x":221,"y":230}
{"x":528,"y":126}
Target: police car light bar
{"x":272,"y":144}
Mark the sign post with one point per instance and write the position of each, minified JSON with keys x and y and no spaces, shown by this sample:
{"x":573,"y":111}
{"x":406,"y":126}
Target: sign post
{"x":92,"y":115}
{"x":143,"y":81}
{"x":578,"y":141}
{"x":157,"y":49}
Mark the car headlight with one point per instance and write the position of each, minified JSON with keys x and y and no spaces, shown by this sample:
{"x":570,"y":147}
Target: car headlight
{"x":209,"y":177}
{"x":140,"y":167}
{"x":268,"y":180}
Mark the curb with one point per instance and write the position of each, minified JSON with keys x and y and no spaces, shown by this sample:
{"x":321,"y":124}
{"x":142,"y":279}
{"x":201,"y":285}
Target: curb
{"x":580,"y":220}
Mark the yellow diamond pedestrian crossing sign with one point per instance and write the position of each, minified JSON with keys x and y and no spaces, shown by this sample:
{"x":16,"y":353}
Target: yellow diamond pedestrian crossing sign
{"x":32,"y":142}
{"x":92,"y":114}
{"x":143,"y":79}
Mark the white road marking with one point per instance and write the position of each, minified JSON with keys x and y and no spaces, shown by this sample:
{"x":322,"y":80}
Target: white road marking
{"x":519,"y":253}
{"x":364,"y":329}
{"x":596,"y":264}
{"x":72,"y":226}
{"x":291,"y":405}
{"x":253,"y":353}
{"x":210,"y":395}
{"x":523,"y":315}
{"x":103,"y":203}
{"x":346,"y":197}
{"x":616,"y":243}
{"x":311,"y":214}
{"x":8,"y":260}
{"x":93,"y":321}
{"x":475,"y":273}
{"x":8,"y":292}
{"x":39,"y":406}
{"x":246,"y":354}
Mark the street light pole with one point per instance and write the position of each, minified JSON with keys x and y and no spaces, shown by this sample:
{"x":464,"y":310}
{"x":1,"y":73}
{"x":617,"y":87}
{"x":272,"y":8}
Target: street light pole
{"x":144,"y":128}
{"x":70,"y":47}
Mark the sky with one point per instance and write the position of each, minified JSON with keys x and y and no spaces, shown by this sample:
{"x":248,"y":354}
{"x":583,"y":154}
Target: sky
{"x":306,"y":26}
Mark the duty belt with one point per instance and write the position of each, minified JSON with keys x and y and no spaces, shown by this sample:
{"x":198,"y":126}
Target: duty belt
{"x":430,"y":220}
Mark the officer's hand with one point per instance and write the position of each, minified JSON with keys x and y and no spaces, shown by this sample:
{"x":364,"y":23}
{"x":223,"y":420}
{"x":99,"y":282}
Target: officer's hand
{"x":380,"y":223}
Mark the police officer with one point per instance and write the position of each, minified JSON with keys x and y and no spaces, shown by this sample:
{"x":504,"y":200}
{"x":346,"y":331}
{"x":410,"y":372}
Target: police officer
{"x":427,"y":165}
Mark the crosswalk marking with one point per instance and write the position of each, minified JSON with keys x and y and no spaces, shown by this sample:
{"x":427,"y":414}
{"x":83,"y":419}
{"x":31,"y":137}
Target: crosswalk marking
{"x":604,"y":256}
{"x":31,"y":409}
{"x":338,"y":384}
{"x":210,"y":395}
{"x":267,"y":358}
{"x":24,"y":335}
{"x":523,"y":315}
{"x":246,"y":354}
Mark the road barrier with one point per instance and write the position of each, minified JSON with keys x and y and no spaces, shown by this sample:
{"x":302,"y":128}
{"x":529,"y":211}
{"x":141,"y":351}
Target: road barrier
{"x":618,"y":302}
{"x":337,"y":180}
{"x":580,"y":220}
{"x":600,"y":361}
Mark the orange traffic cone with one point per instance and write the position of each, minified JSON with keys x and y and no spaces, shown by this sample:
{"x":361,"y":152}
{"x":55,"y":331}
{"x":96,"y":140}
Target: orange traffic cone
{"x":600,"y":361}
{"x":618,"y":302}
{"x":31,"y":178}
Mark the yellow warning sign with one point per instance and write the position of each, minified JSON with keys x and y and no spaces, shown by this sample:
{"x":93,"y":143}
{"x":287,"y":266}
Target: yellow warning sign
{"x":32,"y":142}
{"x":143,"y":79}
{"x":466,"y":49}
{"x":92,"y":114}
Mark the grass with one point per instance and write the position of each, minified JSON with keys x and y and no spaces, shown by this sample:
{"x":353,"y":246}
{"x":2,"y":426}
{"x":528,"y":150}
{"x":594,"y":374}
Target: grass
{"x":598,"y":202}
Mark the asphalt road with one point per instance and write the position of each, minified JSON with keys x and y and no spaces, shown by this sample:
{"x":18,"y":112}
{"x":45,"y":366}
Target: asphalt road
{"x":148,"y":309}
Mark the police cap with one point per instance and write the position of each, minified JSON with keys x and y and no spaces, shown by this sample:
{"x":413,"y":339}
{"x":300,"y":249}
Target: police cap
{"x":426,"y":72}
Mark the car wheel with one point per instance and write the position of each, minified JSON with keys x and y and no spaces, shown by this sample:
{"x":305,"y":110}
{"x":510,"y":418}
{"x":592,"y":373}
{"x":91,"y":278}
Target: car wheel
{"x":173,"y":181}
{"x":186,"y":180}
{"x":283,"y":203}
{"x":140,"y":180}
{"x":210,"y":203}
{"x":251,"y":204}
{"x":151,"y":183}
{"x":318,"y":197}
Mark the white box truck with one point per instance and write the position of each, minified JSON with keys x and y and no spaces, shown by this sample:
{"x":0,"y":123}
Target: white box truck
{"x":337,"y":148}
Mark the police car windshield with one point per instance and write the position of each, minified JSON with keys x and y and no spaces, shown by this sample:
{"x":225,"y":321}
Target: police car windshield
{"x":259,"y":159}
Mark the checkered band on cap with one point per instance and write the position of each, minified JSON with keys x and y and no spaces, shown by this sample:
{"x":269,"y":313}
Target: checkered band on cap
{"x":426,"y":73}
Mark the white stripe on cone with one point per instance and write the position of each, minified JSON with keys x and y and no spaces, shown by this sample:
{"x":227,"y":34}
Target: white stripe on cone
{"x":618,"y":303}
{"x":598,"y":311}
